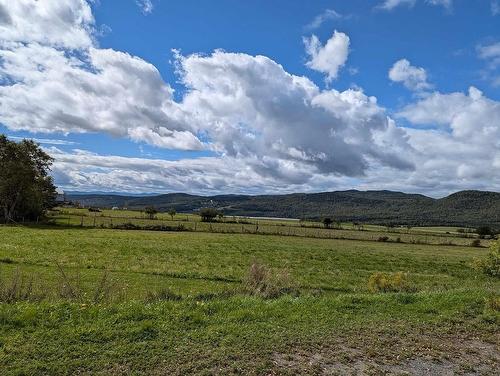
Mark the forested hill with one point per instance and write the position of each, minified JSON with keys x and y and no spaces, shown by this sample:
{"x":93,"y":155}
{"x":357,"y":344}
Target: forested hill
{"x":465,"y":208}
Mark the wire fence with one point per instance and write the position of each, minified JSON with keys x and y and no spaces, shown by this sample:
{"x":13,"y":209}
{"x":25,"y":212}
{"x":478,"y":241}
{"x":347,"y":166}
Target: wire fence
{"x":244,"y":226}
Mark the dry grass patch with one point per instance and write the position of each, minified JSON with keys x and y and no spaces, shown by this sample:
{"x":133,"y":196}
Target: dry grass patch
{"x":386,"y":282}
{"x":268,"y":283}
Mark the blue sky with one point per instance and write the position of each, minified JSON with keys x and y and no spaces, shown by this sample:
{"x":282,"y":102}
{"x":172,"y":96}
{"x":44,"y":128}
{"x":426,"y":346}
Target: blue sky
{"x":449,"y":46}
{"x":441,"y":40}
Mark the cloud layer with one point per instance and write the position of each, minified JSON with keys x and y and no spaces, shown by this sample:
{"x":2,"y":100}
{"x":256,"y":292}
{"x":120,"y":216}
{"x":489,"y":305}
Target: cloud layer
{"x":320,"y":19}
{"x":391,"y":4}
{"x":490,"y":53}
{"x":268,"y":130}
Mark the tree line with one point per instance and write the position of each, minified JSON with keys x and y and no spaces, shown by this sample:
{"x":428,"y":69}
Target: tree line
{"x":26,"y":188}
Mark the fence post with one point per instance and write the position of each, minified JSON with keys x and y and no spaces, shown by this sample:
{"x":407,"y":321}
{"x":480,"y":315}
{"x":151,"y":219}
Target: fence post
{"x":81,"y":223}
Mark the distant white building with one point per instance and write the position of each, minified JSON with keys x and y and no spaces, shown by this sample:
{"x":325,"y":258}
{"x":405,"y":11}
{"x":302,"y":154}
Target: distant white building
{"x":115,"y":208}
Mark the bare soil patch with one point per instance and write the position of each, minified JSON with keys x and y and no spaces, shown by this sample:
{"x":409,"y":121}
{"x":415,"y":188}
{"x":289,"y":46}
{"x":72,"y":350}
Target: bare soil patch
{"x":421,"y":354}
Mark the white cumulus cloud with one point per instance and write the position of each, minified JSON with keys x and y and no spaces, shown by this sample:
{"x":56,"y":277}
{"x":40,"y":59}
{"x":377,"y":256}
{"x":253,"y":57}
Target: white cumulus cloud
{"x":269,"y":130}
{"x":253,"y":107}
{"x":281,"y":126}
{"x":469,"y":116}
{"x":328,"y":58}
{"x":413,"y":78}
{"x":62,"y":23}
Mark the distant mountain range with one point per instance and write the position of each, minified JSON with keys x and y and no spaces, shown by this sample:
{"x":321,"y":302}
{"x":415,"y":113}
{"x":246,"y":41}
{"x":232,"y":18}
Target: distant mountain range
{"x":465,"y":208}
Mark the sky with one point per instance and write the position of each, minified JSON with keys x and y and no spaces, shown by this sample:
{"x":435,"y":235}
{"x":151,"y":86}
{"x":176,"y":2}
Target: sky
{"x":264,"y":96}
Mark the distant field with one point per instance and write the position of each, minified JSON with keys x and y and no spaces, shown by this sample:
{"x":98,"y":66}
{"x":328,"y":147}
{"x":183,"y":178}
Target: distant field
{"x":209,"y":325}
{"x":190,"y":222}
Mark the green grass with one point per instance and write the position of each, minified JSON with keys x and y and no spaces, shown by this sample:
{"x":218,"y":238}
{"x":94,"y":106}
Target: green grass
{"x":215,"y":328}
{"x":342,"y":265}
{"x":237,"y":334}
{"x":189,"y":222}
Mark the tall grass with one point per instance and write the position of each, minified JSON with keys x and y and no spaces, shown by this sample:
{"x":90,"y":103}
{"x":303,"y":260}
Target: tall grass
{"x":268,"y":283}
{"x":20,"y":288}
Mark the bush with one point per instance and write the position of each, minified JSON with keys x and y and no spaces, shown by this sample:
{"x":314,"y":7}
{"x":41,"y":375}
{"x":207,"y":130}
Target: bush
{"x":383,"y":239}
{"x":208,"y":214}
{"x":491,"y":264}
{"x":385,"y":282}
{"x":475,"y":243}
{"x":327,"y":222}
{"x":264,"y":282}
{"x":132,"y":226}
{"x":484,"y":231}
{"x":172,"y":212}
{"x":127,"y":226}
{"x":151,"y":211}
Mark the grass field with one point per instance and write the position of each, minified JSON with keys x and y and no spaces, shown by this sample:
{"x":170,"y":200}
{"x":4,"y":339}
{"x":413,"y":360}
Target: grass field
{"x":189,"y":222}
{"x":208,"y":323}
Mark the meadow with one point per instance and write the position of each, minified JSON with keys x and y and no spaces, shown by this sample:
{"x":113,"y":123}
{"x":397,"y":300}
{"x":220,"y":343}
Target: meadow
{"x":108,"y":301}
{"x":451,"y":236}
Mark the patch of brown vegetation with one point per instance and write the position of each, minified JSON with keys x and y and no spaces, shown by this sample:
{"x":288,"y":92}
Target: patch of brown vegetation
{"x":415,"y":354}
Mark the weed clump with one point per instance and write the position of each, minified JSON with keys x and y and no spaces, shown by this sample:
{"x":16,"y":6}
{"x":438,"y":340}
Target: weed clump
{"x":386,"y":282}
{"x":162,"y":295}
{"x":71,"y":288}
{"x":491,"y":311}
{"x":491,"y":264}
{"x":267,"y":283}
{"x":492,"y":303}
{"x":18,"y":288}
